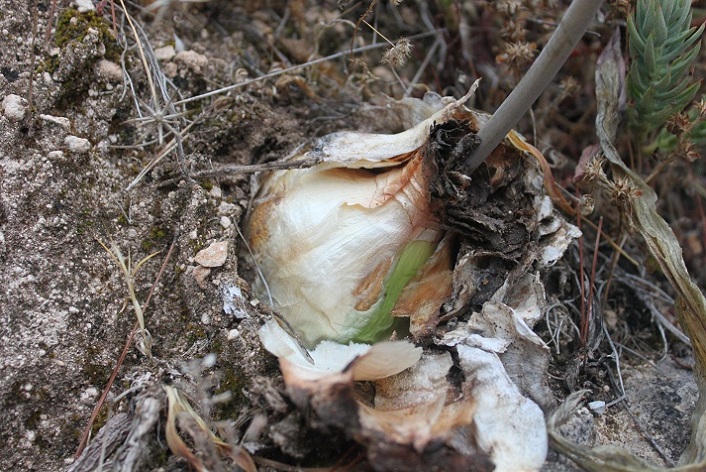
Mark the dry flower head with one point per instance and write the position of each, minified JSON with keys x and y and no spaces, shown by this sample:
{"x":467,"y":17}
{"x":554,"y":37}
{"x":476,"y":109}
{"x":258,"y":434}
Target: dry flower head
{"x":397,"y":55}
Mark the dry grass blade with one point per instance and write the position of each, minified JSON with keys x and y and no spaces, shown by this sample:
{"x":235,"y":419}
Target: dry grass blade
{"x":160,"y":116}
{"x":179,"y":405}
{"x":129,"y":273}
{"x":87,"y":430}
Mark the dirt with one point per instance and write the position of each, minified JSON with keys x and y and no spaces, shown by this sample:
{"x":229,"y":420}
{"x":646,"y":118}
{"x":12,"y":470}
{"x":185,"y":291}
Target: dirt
{"x":67,"y":159}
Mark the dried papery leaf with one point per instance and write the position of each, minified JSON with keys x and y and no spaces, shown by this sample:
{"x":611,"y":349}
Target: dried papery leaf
{"x":415,"y":423}
{"x":174,"y":441}
{"x":508,"y":425}
{"x":640,"y":207}
{"x":364,"y":361}
{"x":497,"y":342}
{"x":419,"y":411}
{"x":661,"y":242}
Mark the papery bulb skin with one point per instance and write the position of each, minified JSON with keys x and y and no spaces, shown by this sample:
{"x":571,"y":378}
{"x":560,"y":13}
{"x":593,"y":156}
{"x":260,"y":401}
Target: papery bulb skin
{"x":337,"y":245}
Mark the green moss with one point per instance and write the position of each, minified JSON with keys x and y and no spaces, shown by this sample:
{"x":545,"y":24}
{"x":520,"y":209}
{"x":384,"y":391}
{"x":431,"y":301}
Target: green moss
{"x":233,"y":382}
{"x":73,"y":26}
{"x":96,"y":374}
{"x":194,"y":332}
{"x":206,"y":185}
{"x":86,"y":223}
{"x":50,"y":65}
{"x":156,"y":237}
{"x":100,"y":420}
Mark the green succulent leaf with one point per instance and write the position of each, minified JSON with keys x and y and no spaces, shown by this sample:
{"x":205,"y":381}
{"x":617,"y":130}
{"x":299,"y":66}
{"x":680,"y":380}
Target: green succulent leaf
{"x":662,"y":48}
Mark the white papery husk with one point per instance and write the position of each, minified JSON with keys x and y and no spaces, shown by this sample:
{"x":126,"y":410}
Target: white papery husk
{"x":330,"y":240}
{"x":419,"y":417}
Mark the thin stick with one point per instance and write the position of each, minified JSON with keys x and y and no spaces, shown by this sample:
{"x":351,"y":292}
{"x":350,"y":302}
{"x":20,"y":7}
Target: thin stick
{"x":567,"y":35}
{"x":148,"y":70}
{"x":582,"y":286}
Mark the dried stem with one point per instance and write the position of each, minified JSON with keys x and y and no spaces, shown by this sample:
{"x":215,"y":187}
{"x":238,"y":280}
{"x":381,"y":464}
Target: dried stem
{"x":570,"y":29}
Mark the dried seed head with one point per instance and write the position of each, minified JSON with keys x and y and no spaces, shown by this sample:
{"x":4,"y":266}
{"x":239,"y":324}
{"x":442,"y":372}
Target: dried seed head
{"x":397,"y":56}
{"x":513,"y":31}
{"x":586,"y":205}
{"x":622,"y":7}
{"x":569,"y":86}
{"x":518,"y":54}
{"x":623,"y":189}
{"x":594,"y":170}
{"x":687,"y":151}
{"x":678,"y":124}
{"x":508,"y":7}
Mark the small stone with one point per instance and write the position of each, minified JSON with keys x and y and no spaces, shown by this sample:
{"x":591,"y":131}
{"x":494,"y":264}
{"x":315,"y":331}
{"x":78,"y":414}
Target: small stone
{"x":193,"y":60}
{"x":57,"y":120}
{"x":200,"y":274}
{"x":598,"y":407}
{"x":216,"y":192}
{"x":55,"y":155}
{"x":164,"y":53}
{"x":225,"y":222}
{"x":77,"y":145}
{"x":109,"y":70}
{"x":13,"y":107}
{"x":89,"y":395}
{"x":225,"y":208}
{"x":213,"y":256}
{"x":84,"y":5}
{"x":233,"y":334}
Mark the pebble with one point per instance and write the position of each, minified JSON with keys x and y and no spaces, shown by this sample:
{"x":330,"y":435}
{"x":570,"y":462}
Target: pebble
{"x":200,"y":274}
{"x":225,"y":208}
{"x":164,"y":53}
{"x":84,"y":5}
{"x":213,"y":256}
{"x":13,"y":107}
{"x":77,"y":145}
{"x":109,"y":70}
{"x":598,"y":407}
{"x":59,"y":120}
{"x":232,"y":334}
{"x":225,"y":222}
{"x":192,"y":60}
